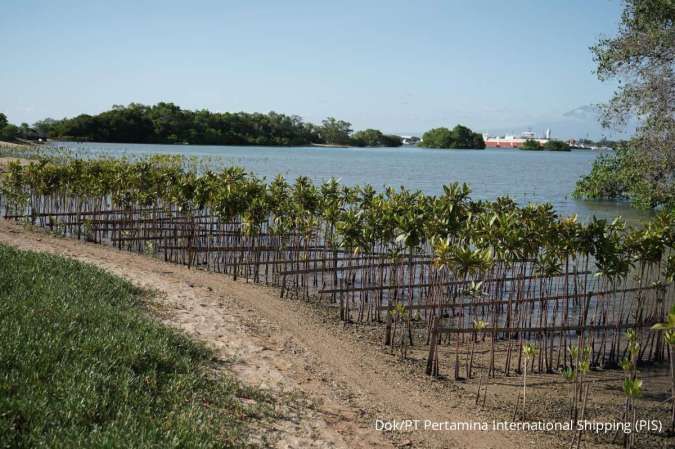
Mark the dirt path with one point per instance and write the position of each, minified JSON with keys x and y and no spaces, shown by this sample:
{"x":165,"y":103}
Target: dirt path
{"x":287,"y":347}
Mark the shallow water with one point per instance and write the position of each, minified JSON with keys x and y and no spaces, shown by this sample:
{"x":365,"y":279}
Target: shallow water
{"x":525,"y":176}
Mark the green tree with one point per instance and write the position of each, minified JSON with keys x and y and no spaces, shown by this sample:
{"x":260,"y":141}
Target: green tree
{"x":168,"y":123}
{"x":608,"y":178}
{"x":464,"y":138}
{"x":367,"y":138}
{"x":26,"y":132}
{"x":374,"y":138}
{"x":478,"y":141}
{"x":437,"y":138}
{"x":9,"y":132}
{"x":391,"y":140}
{"x":531,"y":145}
{"x":335,"y":131}
{"x":3,"y":120}
{"x":641,"y":57}
{"x":556,"y":145}
{"x":44,"y":127}
{"x":459,"y":137}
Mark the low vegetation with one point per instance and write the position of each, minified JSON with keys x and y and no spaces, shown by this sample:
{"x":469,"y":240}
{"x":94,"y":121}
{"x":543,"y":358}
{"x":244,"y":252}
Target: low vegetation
{"x":82,"y":367}
{"x":556,"y":145}
{"x":551,"y":145}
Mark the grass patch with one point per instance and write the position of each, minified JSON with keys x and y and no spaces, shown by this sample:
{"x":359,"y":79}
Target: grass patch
{"x":82,"y":366}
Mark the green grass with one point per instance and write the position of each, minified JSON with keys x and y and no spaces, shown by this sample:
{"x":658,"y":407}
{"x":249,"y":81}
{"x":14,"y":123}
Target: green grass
{"x":81,"y":366}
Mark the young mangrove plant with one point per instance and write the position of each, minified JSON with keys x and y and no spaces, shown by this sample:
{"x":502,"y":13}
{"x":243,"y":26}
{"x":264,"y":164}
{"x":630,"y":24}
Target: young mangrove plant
{"x":447,"y":259}
{"x":632,"y":385}
{"x":529,"y":351}
{"x":668,"y":328}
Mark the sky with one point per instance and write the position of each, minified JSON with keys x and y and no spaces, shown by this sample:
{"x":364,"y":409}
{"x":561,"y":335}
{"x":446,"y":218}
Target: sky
{"x":399,"y":66}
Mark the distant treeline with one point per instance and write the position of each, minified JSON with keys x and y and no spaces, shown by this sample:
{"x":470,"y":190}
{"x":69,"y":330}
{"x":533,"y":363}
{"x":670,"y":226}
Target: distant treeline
{"x":10,"y":132}
{"x":551,"y":145}
{"x":604,"y":142}
{"x":167,"y":123}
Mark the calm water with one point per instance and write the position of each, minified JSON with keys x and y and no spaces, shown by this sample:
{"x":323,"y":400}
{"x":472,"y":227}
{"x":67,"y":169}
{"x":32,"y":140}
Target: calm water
{"x":523,"y":175}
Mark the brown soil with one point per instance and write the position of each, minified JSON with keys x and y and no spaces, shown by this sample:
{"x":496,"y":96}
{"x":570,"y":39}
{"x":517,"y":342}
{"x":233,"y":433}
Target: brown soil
{"x":332,"y":381}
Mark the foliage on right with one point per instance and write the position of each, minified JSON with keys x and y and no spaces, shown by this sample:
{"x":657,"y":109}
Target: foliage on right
{"x":641,"y":58}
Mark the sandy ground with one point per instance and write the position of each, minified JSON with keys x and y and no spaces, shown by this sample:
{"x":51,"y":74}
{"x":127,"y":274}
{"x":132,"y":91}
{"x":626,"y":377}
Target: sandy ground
{"x":333,"y":381}
{"x":4,"y":143}
{"x":335,"y":386}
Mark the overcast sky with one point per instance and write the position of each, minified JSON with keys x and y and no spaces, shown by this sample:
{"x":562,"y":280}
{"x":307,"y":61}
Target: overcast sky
{"x":401,"y":66}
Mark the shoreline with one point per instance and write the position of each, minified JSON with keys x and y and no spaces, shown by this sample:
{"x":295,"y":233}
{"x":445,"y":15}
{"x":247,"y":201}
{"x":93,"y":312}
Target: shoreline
{"x":17,"y":145}
{"x":333,"y":145}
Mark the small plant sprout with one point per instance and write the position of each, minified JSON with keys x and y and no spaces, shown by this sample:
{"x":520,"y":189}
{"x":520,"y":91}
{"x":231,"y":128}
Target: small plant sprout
{"x":529,"y":351}
{"x":478,"y":327}
{"x":575,"y":374}
{"x":149,"y":248}
{"x":632,"y":386}
{"x":475,"y":289}
{"x":668,"y":328}
{"x":397,"y":313}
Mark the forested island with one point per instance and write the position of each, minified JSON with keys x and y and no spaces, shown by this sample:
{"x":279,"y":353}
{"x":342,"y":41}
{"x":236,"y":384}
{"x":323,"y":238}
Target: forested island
{"x":167,"y":123}
{"x":551,"y":145}
{"x":460,"y":137}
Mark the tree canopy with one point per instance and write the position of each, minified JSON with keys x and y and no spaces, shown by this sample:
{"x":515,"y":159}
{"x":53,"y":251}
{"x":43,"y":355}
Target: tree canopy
{"x":641,"y":57}
{"x":374,"y":138}
{"x":336,"y":132}
{"x":10,"y":132}
{"x":168,"y":123}
{"x":460,"y":137}
{"x":367,"y":137}
{"x":551,"y":145}
{"x":556,"y":145}
{"x":531,"y":145}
